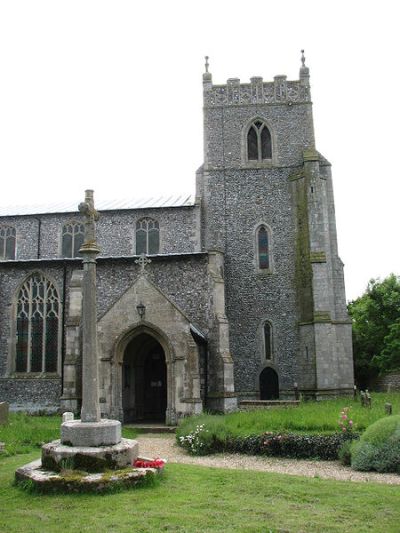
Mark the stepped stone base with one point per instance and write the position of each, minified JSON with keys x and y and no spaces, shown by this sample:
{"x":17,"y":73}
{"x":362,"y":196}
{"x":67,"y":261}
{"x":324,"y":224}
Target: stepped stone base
{"x":103,"y":433}
{"x":56,"y":456}
{"x":71,"y":481}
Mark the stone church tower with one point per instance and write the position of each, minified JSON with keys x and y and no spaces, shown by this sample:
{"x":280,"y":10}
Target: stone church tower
{"x":267,"y":205}
{"x":236,"y":294}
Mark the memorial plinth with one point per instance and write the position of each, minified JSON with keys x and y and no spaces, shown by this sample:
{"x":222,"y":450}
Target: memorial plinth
{"x":55,"y":456}
{"x":102,"y":433}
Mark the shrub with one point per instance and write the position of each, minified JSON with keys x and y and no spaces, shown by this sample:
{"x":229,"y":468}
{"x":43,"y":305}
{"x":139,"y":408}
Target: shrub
{"x":379,"y":447}
{"x":344,"y":453}
{"x":292,"y":445}
{"x":201,"y":441}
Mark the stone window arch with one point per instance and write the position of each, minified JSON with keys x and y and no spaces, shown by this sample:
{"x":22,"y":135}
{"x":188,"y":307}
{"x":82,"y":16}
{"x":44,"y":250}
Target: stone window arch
{"x":147,"y":236}
{"x":7,"y":242}
{"x":263,"y":246}
{"x":72,"y":238}
{"x":267,"y":333}
{"x":258,"y":142}
{"x":38,"y":326}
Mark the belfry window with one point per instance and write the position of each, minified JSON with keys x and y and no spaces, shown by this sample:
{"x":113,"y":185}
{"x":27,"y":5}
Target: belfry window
{"x":259,"y":145}
{"x":38,"y":324}
{"x":263,"y":249}
{"x":7,"y":242}
{"x":72,"y":239}
{"x":147,"y":236}
{"x":267,"y":340}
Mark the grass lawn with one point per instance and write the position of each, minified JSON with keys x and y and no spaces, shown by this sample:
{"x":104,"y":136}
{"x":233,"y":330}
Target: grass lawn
{"x":25,"y":433}
{"x":198,"y":499}
{"x":308,"y":417}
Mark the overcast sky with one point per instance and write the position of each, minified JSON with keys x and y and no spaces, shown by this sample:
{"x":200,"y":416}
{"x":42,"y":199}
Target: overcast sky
{"x":108,"y":95}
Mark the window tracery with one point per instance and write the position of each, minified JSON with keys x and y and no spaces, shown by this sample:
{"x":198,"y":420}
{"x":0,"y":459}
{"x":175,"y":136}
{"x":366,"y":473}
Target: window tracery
{"x":38,"y":323}
{"x":147,"y":236}
{"x":72,"y":239}
{"x":7,"y":242}
{"x":259,"y":143}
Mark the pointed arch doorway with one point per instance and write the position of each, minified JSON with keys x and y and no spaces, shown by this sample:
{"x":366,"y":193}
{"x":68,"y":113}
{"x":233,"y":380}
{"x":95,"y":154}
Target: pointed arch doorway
{"x":269,"y":384}
{"x":144,"y":380}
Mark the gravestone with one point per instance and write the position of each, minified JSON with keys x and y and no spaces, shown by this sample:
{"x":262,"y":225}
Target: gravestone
{"x":3,"y":412}
{"x":388,"y":408}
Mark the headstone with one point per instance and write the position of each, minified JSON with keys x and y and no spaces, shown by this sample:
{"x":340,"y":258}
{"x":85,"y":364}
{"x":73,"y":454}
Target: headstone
{"x":388,"y":408}
{"x":67,"y":416}
{"x":365,"y":398}
{"x":3,"y":412}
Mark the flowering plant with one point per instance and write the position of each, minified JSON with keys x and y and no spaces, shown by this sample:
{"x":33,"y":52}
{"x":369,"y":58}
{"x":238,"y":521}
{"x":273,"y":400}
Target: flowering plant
{"x":345,"y":422}
{"x":193,"y":442}
{"x":148,"y":463}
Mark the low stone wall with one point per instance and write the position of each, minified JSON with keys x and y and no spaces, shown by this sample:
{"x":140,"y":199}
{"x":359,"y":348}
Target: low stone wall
{"x":33,"y":395}
{"x":390,"y":382}
{"x":247,"y":405}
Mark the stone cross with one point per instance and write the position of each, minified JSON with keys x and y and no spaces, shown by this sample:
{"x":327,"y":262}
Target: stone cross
{"x":143,"y":261}
{"x":90,"y":373}
{"x":91,"y":216}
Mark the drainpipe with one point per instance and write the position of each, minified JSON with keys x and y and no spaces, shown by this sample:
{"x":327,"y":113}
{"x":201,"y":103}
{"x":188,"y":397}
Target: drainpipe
{"x":39,"y":228}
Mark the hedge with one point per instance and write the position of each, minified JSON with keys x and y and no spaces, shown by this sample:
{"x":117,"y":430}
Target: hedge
{"x":289,"y":445}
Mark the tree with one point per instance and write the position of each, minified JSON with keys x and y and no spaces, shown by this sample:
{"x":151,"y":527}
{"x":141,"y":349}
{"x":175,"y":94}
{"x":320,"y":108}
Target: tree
{"x":376,"y":329}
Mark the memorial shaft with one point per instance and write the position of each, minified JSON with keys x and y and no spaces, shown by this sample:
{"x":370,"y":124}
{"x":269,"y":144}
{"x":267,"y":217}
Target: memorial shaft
{"x":90,"y":374}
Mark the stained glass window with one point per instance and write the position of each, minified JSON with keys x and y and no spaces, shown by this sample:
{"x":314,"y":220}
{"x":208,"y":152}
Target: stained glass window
{"x":268,"y":340}
{"x":72,"y":239}
{"x":38,"y":316}
{"x":7,"y":242}
{"x":147,"y":236}
{"x":259,"y":145}
{"x":263,"y":248}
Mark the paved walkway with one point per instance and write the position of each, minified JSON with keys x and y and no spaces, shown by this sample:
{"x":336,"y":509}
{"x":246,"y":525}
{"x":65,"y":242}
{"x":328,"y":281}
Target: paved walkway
{"x":165,"y":446}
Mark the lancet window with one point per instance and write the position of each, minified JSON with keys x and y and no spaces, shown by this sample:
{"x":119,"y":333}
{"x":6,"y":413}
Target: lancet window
{"x":267,"y":331}
{"x":263,"y":248}
{"x":147,"y":236}
{"x":38,"y":326}
{"x":7,"y":242}
{"x":72,"y":239}
{"x":259,"y":144}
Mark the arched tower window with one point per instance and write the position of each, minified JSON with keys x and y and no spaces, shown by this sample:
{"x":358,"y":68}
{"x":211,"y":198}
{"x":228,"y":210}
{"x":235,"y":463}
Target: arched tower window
{"x":263,"y":248}
{"x":267,"y":332}
{"x":147,"y":236}
{"x":72,"y":239}
{"x":259,"y":144}
{"x":38,"y":326}
{"x":7,"y":242}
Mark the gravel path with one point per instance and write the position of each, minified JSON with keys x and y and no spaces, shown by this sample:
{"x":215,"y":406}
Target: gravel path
{"x":164,"y":446}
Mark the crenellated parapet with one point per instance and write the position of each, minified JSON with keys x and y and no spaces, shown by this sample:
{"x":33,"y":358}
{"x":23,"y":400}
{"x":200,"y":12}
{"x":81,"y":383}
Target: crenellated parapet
{"x":280,"y":91}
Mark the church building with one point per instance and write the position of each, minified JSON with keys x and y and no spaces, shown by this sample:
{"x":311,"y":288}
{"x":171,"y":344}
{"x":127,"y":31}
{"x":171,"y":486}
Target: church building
{"x":234,"y":294}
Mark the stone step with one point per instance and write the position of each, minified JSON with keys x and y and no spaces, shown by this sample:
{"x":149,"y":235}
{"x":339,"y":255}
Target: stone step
{"x":151,"y":428}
